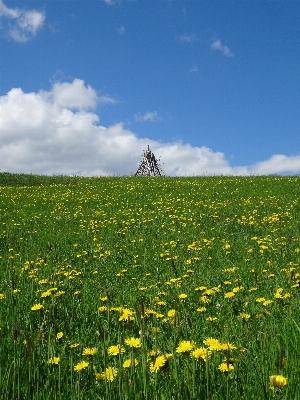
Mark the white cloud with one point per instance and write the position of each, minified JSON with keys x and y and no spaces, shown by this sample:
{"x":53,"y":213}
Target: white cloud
{"x":188,"y":38}
{"x":217,"y":45}
{"x":194,"y":69}
{"x":149,"y":116}
{"x":121,"y":29}
{"x":112,"y":2}
{"x":19,"y":24}
{"x":54,"y":133}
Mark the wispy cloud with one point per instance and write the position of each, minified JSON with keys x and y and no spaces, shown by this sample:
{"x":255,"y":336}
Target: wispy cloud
{"x":19,"y":24}
{"x":121,"y":29}
{"x":194,"y":69}
{"x":148,"y":116}
{"x":217,"y":45}
{"x":188,"y":38}
{"x":112,"y":2}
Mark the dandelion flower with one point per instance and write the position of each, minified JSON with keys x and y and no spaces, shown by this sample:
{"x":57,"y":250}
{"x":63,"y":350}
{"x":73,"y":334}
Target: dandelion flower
{"x":46,"y":294}
{"x":185,"y":346}
{"x":211,"y":319}
{"x":87,"y":351}
{"x":80,"y":366}
{"x":204,"y":299}
{"x":229,"y":294}
{"x":159,"y":362}
{"x":201,"y":309}
{"x":212,"y":344}
{"x":109,"y":374}
{"x":59,"y":335}
{"x":37,"y":307}
{"x":171,"y":313}
{"x":74,"y":345}
{"x":115,"y":350}
{"x":200,"y":352}
{"x":133,"y":342}
{"x":182,"y":296}
{"x":225,"y":367}
{"x":127,"y":363}
{"x":244,"y":316}
{"x":260,"y":300}
{"x":54,"y":360}
{"x":278,"y":381}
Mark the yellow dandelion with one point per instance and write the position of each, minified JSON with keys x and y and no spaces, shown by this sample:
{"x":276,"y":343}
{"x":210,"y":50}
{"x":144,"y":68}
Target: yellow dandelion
{"x":115,"y":350}
{"x":81,"y":366}
{"x":159,"y":362}
{"x":229,"y":294}
{"x":185,"y":346}
{"x":127,"y":363}
{"x":211,"y":319}
{"x":244,"y":316}
{"x":59,"y":335}
{"x":111,"y":373}
{"x":200,"y":352}
{"x":204,"y":299}
{"x":182,"y":296}
{"x":267,"y":302}
{"x":133,"y":342}
{"x":213,"y":344}
{"x":278,"y":381}
{"x":102,"y":309}
{"x":171,"y":313}
{"x":46,"y":294}
{"x":201,"y":309}
{"x":225,"y":367}
{"x":37,"y":307}
{"x":54,"y":360}
{"x":87,"y":351}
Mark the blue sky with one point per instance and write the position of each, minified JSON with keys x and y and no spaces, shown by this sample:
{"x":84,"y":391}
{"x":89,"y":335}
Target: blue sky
{"x":212,"y":86}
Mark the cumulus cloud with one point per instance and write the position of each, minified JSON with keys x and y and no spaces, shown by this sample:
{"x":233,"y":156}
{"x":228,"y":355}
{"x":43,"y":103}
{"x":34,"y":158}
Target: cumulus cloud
{"x":217,"y":45}
{"x":148,"y":116}
{"x":56,"y":132}
{"x":19,"y":24}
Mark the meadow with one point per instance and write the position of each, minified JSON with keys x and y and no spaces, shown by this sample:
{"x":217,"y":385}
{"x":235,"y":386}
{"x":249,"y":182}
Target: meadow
{"x":149,"y":288}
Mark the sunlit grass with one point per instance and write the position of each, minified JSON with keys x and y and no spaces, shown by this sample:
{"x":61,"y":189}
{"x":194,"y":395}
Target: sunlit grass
{"x":149,"y":288}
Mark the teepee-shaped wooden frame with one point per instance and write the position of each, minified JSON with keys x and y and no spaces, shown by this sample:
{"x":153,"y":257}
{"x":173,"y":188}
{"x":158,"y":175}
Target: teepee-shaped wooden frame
{"x":149,"y":165}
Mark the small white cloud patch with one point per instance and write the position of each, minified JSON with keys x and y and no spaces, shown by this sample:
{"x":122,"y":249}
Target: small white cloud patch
{"x":19,"y":24}
{"x":217,"y":45}
{"x":148,"y":116}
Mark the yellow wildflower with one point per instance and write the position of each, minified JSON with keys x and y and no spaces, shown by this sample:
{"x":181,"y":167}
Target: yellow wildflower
{"x":159,"y":362}
{"x":133,"y":342}
{"x":200,"y":352}
{"x":115,"y":350}
{"x":225,"y":367}
{"x":37,"y":307}
{"x":185,"y":346}
{"x":87,"y":351}
{"x":278,"y":381}
{"x":127,"y":363}
{"x":80,"y":366}
{"x":54,"y":360}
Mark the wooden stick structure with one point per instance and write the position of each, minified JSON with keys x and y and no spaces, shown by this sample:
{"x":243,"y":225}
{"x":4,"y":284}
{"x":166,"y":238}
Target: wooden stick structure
{"x":149,"y":166}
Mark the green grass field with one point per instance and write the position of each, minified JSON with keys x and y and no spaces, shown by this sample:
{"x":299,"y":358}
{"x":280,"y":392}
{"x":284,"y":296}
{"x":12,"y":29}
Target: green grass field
{"x":149,"y":288}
